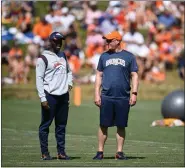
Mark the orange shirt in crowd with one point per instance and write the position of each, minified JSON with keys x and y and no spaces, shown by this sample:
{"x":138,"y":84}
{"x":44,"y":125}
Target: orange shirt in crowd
{"x":161,"y":37}
{"x":74,"y":63}
{"x":159,"y":76}
{"x":120,"y":18}
{"x":176,"y":33}
{"x":167,"y":57}
{"x":26,"y":20}
{"x":15,"y":51}
{"x":93,"y":49}
{"x":159,"y":3}
{"x":42,"y":30}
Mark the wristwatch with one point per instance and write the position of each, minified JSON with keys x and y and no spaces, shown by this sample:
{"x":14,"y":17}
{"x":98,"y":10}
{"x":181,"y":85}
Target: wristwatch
{"x":135,"y":93}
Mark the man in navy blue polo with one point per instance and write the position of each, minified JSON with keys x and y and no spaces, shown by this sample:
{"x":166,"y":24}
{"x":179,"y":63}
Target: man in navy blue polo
{"x":115,"y":70}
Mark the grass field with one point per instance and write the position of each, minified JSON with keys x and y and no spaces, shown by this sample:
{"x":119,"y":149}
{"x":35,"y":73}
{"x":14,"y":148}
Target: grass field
{"x":145,"y":146}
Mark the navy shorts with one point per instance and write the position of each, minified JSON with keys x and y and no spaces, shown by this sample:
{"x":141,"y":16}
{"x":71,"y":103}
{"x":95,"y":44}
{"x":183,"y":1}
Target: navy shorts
{"x":114,"y":112}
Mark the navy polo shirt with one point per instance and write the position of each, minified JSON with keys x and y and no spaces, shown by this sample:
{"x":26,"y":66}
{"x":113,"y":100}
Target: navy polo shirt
{"x":117,"y":68}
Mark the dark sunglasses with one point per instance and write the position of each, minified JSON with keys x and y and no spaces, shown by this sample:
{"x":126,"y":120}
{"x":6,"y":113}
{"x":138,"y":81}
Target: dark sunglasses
{"x":109,"y":41}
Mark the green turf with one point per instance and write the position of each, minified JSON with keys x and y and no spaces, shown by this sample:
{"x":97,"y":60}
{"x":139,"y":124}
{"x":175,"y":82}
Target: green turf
{"x":145,"y":146}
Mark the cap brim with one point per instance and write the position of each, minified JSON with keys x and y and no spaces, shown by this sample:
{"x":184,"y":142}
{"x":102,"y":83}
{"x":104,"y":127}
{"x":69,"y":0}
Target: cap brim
{"x":104,"y":37}
{"x":63,"y":37}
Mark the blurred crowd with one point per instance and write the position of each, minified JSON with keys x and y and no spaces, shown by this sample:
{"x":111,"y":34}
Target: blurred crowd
{"x":152,"y":31}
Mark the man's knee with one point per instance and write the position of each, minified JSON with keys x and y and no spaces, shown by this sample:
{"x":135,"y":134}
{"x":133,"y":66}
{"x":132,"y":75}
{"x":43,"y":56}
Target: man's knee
{"x":120,"y":129}
{"x":104,"y":129}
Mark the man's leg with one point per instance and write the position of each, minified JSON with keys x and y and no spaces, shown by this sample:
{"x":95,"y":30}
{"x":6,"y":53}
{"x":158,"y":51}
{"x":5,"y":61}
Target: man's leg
{"x":122,"y":108}
{"x":47,"y":118}
{"x":61,"y":117}
{"x":120,"y":136}
{"x":106,"y":120}
{"x":102,"y":137}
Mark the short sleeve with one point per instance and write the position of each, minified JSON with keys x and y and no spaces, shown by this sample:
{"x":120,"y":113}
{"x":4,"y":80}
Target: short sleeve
{"x":100,"y":64}
{"x":134,"y":66}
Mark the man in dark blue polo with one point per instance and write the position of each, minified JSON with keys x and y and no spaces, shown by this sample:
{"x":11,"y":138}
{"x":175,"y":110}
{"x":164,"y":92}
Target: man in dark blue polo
{"x":115,"y":70}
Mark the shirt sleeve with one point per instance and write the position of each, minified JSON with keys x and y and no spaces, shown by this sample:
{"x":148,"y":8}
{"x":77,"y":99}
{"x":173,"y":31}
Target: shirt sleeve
{"x":134,"y":66}
{"x":40,"y":72}
{"x":100,"y":64}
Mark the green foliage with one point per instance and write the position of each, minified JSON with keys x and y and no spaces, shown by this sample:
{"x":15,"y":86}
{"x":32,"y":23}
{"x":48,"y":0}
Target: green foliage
{"x":102,"y":5}
{"x":144,"y":32}
{"x":41,"y":8}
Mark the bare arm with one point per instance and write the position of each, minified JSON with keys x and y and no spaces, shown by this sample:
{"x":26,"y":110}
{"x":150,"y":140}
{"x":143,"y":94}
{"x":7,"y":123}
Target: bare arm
{"x":98,"y":83}
{"x":135,"y":85}
{"x":135,"y":81}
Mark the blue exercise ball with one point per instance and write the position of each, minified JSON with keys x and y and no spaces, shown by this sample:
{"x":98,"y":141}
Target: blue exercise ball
{"x":173,"y":105}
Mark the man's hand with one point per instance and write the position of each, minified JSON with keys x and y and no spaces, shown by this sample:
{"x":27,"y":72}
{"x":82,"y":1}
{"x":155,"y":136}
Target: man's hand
{"x":69,"y":88}
{"x":45,"y":105}
{"x":133,"y":100}
{"x":97,"y":101}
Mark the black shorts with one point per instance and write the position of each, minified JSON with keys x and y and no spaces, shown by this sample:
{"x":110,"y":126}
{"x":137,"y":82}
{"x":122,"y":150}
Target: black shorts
{"x":114,"y":112}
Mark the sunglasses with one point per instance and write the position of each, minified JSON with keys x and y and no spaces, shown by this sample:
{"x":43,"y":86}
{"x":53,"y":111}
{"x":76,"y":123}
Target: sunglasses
{"x":109,"y":41}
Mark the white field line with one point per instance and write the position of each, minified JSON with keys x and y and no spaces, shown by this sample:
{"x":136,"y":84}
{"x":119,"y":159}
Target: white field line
{"x":82,"y":138}
{"x":127,"y":145}
{"x":72,"y":148}
{"x":147,"y":144}
{"x":91,"y":136}
{"x":68,"y":146}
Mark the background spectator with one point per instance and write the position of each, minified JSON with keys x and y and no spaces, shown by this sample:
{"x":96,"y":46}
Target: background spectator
{"x":181,"y":65}
{"x":152,"y":30}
